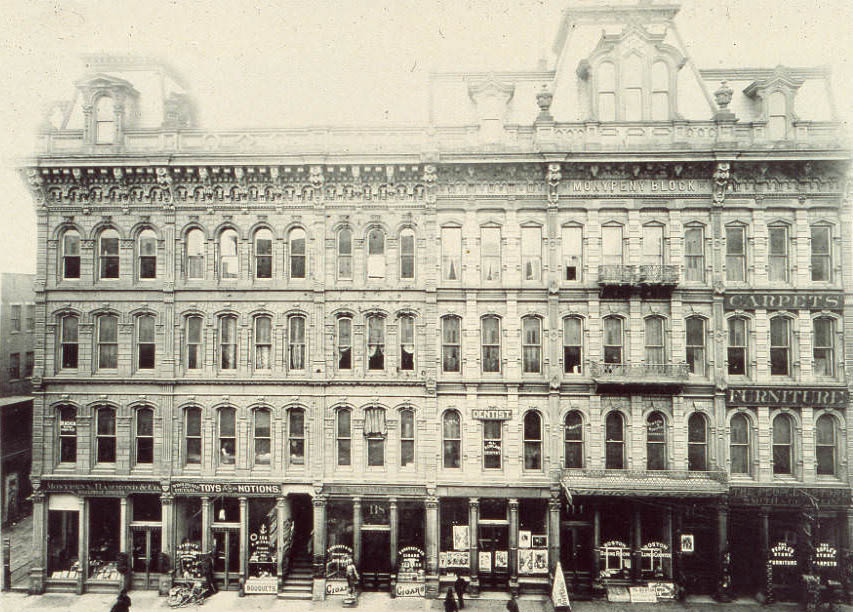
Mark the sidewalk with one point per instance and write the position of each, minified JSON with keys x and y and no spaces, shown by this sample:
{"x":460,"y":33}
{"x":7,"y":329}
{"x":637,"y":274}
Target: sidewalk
{"x":21,"y":536}
{"x":368,"y":602}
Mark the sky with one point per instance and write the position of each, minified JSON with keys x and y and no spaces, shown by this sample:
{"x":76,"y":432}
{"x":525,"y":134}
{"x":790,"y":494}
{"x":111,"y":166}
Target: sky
{"x":296,"y":62}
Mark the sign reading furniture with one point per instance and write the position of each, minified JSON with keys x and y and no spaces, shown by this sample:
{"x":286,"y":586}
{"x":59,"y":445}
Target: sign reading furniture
{"x":824,"y":397}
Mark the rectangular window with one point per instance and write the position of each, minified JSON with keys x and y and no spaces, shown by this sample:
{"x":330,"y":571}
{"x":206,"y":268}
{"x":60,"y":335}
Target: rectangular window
{"x":71,"y":255}
{"x":825,"y":445}
{"x":612,"y":341}
{"x":69,"y":343}
{"x":375,"y":343}
{"x":344,"y":343}
{"x":107,"y":342}
{"x":821,"y":253}
{"x":736,"y":253}
{"x":296,"y":436}
{"x":407,"y":343}
{"x":611,"y":245}
{"x":407,"y":255}
{"x":144,"y":435}
{"x":572,"y":345}
{"x":572,"y":251}
{"x":29,"y":364}
{"x":531,"y":253}
{"x":491,"y":344}
{"x":345,"y":253}
{"x":193,"y":343}
{"x":492,"y":444}
{"x":228,"y":343}
{"x":824,"y":347}
{"x":147,"y":257}
{"x":407,"y":438}
{"x":695,"y":343}
{"x":297,"y":343}
{"x":31,"y":317}
{"x":450,"y":344}
{"x":263,"y":254}
{"x":694,"y":254}
{"x":778,"y":253}
{"x":375,"y":452}
{"x":195,"y":244}
{"x":15,"y":366}
{"x":451,"y":253}
{"x":652,"y":245}
{"x":193,"y":436}
{"x":655,"y":352}
{"x":145,"y":342}
{"x":737,"y":356}
{"x":344,"y":439}
{"x":67,"y":435}
{"x":16,"y":317}
{"x":109,"y":257}
{"x":490,"y":253}
{"x":105,"y":433}
{"x":780,"y":346}
{"x":263,"y":445}
{"x":263,"y":343}
{"x":227,"y":437}
{"x":531,"y":330}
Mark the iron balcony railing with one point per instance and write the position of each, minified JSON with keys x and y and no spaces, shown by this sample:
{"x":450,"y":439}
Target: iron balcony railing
{"x":638,"y":371}
{"x":646,"y":274}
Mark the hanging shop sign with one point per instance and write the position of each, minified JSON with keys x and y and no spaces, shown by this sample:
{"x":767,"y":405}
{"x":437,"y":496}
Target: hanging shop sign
{"x":491,"y":414}
{"x":826,"y":555}
{"x":453,"y":559}
{"x":782,"y":555}
{"x":225,"y":488}
{"x":784,"y":301}
{"x":830,"y":397}
{"x":532,"y":561}
{"x":100,"y":488}
{"x":261,"y":586}
{"x":788,"y":496}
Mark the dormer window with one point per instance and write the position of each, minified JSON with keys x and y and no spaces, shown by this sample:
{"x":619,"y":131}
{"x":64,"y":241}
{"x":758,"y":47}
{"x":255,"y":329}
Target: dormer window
{"x":105,"y":121}
{"x":777,"y":117}
{"x":607,"y":91}
{"x":774,"y":96}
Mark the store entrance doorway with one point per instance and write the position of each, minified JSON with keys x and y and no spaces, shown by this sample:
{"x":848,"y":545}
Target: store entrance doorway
{"x":576,"y":555}
{"x":146,"y":557}
{"x":376,"y":559}
{"x":493,"y":566}
{"x":226,"y":556}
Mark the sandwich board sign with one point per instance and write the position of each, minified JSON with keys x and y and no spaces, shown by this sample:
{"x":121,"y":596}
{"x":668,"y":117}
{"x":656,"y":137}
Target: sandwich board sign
{"x":559,"y":592}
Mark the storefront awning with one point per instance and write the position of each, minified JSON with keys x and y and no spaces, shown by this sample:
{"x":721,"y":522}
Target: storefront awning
{"x":645,"y":483}
{"x":14,"y":399}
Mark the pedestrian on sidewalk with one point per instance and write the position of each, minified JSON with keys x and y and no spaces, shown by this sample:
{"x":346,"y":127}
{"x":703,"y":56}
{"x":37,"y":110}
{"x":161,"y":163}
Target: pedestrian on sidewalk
{"x":122,"y":603}
{"x":450,"y":601}
{"x":461,"y":585}
{"x":512,"y":604}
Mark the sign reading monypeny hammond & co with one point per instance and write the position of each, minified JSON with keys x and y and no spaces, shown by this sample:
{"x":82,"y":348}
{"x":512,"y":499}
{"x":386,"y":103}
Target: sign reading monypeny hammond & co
{"x":491,"y":414}
{"x":825,"y":397}
{"x":784,"y":301}
{"x":86,"y":487}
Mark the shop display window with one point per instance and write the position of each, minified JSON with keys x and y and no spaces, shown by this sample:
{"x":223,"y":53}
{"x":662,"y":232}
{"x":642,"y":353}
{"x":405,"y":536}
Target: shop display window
{"x":226,"y":510}
{"x":454,"y":536}
{"x":339,"y":515}
{"x":188,"y":555}
{"x":104,"y":538}
{"x":615,"y":557}
{"x":262,"y":543}
{"x":63,"y":554}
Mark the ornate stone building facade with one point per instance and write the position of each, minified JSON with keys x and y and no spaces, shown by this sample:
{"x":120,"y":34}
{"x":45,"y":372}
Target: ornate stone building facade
{"x":592,"y":316}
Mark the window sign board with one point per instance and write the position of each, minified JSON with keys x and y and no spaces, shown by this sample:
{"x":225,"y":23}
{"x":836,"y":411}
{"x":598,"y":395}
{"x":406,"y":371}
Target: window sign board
{"x":461,"y":537}
{"x":687,"y":543}
{"x":485,"y":559}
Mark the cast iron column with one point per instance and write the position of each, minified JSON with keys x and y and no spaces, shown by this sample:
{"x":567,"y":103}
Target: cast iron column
{"x":553,"y":531}
{"x":667,"y":539}
{"x":596,"y":544}
{"x":431,"y":505}
{"x":636,"y":546}
{"x":205,"y":525}
{"x":244,"y":536}
{"x":319,"y":546}
{"x":513,"y":546}
{"x":474,"y":562}
{"x":356,"y":531}
{"x":394,"y":536}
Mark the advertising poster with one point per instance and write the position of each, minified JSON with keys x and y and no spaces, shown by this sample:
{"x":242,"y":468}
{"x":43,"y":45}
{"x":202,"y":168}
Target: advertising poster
{"x":461,"y":537}
{"x":485,"y":561}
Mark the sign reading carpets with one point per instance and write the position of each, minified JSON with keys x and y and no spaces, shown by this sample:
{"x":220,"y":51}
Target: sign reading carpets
{"x":826,"y":555}
{"x":784,"y":301}
{"x":559,"y":592}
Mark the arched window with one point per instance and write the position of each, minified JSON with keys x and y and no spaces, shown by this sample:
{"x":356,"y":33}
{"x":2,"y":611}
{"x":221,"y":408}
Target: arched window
{"x":740,"y":444}
{"x":344,"y":343}
{"x":735,"y":253}
{"x":571,"y":245}
{"x":611,"y":245}
{"x":105,"y":121}
{"x":490,"y":253}
{"x":227,"y":435}
{"x":296,"y":345}
{"x":697,"y":443}
{"x":737,"y":349}
{"x":824,"y":347}
{"x":375,"y":253}
{"x":193,"y":342}
{"x":572,"y":345}
{"x":451,"y":439}
{"x":107,"y":342}
{"x":144,"y":436}
{"x":375,"y":342}
{"x":532,"y":441}
{"x":195,"y":254}
{"x":606,"y":91}
{"x":694,"y":331}
{"x":451,"y":253}
{"x":407,"y":343}
{"x":451,"y":344}
{"x":694,"y":253}
{"x":344,"y":436}
{"x":263,"y":342}
{"x":777,"y":116}
{"x":228,"y":342}
{"x":192,"y":436}
{"x":573,"y":440}
{"x":263,"y":253}
{"x":654,"y":336}
{"x":262,"y":437}
{"x":531,"y":345}
{"x":655,"y":442}
{"x":821,"y":248}
{"x":296,"y":436}
{"x":491,"y":343}
{"x":660,"y":91}
{"x":407,"y":254}
{"x":407,"y":437}
{"x":826,"y":445}
{"x":780,"y":346}
{"x":105,"y":434}
{"x":345,"y":253}
{"x":69,"y":346}
{"x":613,"y":341}
{"x":375,"y":432}
{"x":298,"y":254}
{"x":147,"y":253}
{"x":108,"y":254}
{"x":632,"y":88}
{"x":67,"y":434}
{"x":614,"y":435}
{"x":531,"y":253}
{"x":783,"y":444}
{"x":229,"y":261}
{"x":778,"y":241}
{"x":145,"y":342}
{"x":71,"y":254}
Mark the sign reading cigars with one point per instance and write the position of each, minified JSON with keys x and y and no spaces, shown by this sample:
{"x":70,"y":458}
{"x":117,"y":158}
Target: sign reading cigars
{"x":832,"y":397}
{"x":784,"y":301}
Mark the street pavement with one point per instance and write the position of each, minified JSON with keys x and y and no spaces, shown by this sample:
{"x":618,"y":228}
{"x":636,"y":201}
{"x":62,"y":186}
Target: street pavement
{"x":368,"y":602}
{"x":20,"y":535}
